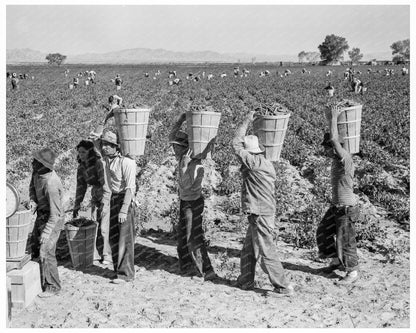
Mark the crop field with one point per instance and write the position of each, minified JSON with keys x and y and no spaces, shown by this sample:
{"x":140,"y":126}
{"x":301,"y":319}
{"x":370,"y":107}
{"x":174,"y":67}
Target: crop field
{"x":44,"y":111}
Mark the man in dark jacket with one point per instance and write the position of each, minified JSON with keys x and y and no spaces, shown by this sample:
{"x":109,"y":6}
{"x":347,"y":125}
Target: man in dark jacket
{"x":46,"y":197}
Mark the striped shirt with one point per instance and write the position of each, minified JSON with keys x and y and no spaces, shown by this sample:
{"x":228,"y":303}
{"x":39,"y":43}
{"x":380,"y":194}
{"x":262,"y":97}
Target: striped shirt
{"x":342,"y":175}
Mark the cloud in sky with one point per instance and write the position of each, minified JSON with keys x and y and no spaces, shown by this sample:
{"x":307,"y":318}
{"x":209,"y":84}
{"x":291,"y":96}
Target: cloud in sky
{"x":266,"y":29}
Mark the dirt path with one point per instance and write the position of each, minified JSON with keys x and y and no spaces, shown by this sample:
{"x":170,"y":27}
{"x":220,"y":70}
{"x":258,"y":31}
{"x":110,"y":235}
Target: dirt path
{"x":160,"y":297}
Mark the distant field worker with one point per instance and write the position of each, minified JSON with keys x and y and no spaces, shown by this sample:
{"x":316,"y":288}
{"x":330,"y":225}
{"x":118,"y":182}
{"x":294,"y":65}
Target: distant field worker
{"x":75,"y":82}
{"x":191,"y":247}
{"x":118,"y":81}
{"x":259,"y":205}
{"x":114,"y":102}
{"x":335,"y":234}
{"x":356,"y":85}
{"x":91,"y":173}
{"x":121,"y":175}
{"x":15,"y":82}
{"x":46,"y":198}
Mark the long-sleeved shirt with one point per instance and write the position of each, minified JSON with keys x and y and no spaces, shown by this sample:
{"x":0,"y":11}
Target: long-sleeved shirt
{"x":259,"y":176}
{"x":93,"y":175}
{"x":47,"y":191}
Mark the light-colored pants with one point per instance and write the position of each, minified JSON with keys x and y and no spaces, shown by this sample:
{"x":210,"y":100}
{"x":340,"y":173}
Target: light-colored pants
{"x":100,"y":212}
{"x":259,"y":245}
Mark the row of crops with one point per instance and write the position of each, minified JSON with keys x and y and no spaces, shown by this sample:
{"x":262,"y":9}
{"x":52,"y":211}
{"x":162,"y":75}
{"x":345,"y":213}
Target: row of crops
{"x":45,"y":112}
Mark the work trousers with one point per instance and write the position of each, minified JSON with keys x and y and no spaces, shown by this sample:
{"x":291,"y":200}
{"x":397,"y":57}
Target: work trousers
{"x":100,"y":212}
{"x":47,"y":255}
{"x":335,"y":236}
{"x":259,"y":246}
{"x":191,"y":245}
{"x":122,"y":237}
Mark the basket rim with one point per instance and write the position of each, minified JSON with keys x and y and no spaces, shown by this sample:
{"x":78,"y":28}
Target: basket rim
{"x":204,"y":112}
{"x":144,"y":108}
{"x":279,"y":115}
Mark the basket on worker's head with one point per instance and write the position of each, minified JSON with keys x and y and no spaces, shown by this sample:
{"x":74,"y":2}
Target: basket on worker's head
{"x":80,"y":235}
{"x":202,"y":127}
{"x":271,"y":131}
{"x":349,"y":127}
{"x":132,"y":129}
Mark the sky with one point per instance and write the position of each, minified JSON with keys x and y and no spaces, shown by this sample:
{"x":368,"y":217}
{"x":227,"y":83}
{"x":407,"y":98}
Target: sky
{"x":272,"y":29}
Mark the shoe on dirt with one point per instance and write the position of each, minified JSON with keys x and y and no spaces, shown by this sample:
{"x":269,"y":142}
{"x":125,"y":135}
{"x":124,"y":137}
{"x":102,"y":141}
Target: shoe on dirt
{"x":349,"y":278}
{"x":288,"y":291}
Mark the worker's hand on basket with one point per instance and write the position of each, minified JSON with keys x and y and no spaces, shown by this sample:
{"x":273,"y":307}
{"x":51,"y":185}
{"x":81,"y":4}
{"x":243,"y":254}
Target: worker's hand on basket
{"x":335,"y":111}
{"x":122,"y":217}
{"x":187,"y":158}
{"x":44,"y":238}
{"x":251,"y":115}
{"x":32,"y":206}
{"x":75,"y":213}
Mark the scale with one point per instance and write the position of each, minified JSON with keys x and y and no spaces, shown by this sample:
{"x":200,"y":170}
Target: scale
{"x":12,"y":205}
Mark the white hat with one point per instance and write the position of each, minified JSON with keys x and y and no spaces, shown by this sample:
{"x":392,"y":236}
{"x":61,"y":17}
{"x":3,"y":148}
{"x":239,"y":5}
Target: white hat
{"x":251,"y":144}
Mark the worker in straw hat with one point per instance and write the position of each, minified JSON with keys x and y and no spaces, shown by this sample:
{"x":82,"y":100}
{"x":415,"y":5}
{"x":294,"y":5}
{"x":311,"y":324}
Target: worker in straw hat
{"x":121,"y":177}
{"x":335,"y":235}
{"x":259,"y":205}
{"x":192,"y":252}
{"x":46,"y":198}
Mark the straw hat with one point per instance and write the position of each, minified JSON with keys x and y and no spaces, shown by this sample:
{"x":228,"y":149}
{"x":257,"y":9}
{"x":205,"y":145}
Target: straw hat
{"x":110,"y":137}
{"x":46,"y":156}
{"x":181,"y":139}
{"x":251,"y":144}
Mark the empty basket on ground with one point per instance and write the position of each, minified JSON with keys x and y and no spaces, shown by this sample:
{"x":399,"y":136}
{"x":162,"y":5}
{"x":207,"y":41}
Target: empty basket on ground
{"x":349,"y":127}
{"x":271,"y":131}
{"x":202,"y":127}
{"x":17,"y":229}
{"x":81,"y":242}
{"x":132,"y":129}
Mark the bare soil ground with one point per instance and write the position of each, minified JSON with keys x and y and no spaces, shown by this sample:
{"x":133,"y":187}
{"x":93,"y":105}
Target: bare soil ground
{"x":160,"y":297}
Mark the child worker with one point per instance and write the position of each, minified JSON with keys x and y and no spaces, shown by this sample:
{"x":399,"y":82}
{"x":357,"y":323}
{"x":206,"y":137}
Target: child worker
{"x":192,"y":251}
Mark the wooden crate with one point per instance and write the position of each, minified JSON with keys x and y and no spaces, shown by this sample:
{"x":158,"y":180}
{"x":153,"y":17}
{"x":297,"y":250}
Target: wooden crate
{"x":26,"y":284}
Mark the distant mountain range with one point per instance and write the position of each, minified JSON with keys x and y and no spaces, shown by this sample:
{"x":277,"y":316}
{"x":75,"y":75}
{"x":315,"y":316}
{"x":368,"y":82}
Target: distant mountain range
{"x":143,"y":55}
